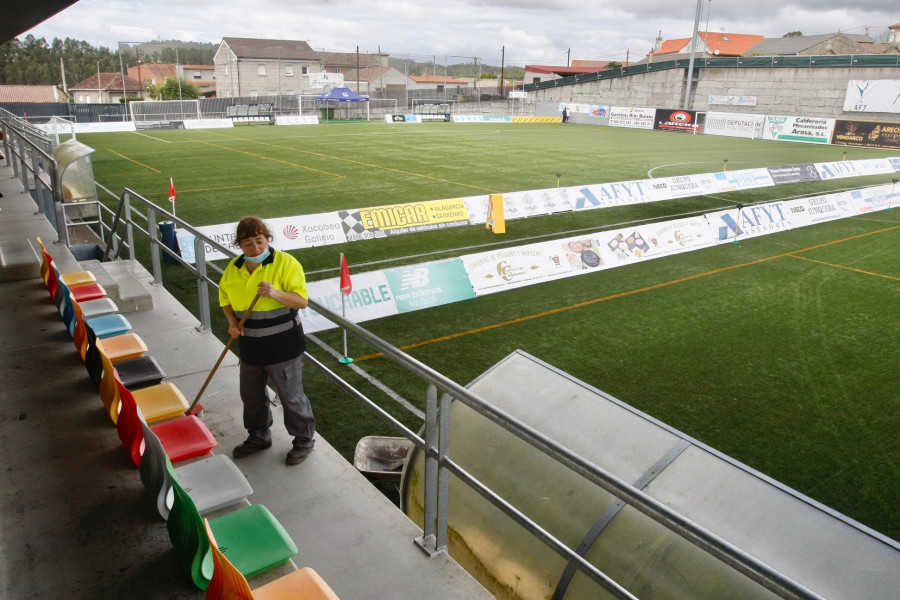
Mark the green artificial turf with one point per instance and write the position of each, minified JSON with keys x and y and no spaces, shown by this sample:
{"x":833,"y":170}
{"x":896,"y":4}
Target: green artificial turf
{"x":781,"y":351}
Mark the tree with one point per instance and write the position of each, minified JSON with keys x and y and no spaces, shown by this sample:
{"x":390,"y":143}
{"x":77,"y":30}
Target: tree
{"x":169,"y":90}
{"x":793,"y":34}
{"x":614,"y":65}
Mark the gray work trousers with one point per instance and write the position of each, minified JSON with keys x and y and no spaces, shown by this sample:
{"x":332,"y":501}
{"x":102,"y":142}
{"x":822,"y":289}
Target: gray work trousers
{"x":288,"y":379}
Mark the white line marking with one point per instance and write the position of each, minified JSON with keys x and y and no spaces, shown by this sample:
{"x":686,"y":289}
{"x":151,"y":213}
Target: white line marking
{"x":151,"y":137}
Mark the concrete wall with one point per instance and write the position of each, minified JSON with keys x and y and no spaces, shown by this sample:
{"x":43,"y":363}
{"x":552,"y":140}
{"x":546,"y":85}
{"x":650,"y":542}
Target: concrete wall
{"x":815,"y":92}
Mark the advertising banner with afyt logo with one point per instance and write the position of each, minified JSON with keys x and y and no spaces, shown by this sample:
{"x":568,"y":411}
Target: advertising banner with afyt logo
{"x":873,"y":95}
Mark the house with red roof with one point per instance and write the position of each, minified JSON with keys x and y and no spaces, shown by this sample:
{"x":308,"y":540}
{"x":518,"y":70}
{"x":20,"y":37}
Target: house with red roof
{"x":203,"y":77}
{"x":711,"y":44}
{"x":105,"y":88}
{"x":30,"y":93}
{"x":439,"y":83}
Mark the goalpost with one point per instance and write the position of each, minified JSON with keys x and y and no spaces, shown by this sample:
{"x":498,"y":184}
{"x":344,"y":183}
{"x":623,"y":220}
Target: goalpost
{"x":164,"y":110}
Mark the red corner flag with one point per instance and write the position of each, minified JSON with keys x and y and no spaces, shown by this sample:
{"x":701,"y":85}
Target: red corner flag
{"x":171,"y":190}
{"x":346,"y":284}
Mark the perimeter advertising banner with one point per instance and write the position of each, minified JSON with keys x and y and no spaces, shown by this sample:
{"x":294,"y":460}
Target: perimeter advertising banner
{"x":872,"y":134}
{"x":599,"y":112}
{"x":683,"y":186}
{"x":854,"y":168}
{"x":519,"y":205}
{"x":873,"y":95}
{"x":734,"y":125}
{"x":629,"y":116}
{"x":288,"y":233}
{"x":416,"y":287}
{"x":501,"y":270}
{"x":793,"y":173}
{"x":371,"y":298}
{"x":798,"y":129}
{"x":605,"y":195}
{"x":399,"y":219}
{"x":675,"y":120}
{"x":745,"y":179}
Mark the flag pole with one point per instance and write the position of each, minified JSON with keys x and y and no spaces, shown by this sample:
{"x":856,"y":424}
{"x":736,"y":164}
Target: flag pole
{"x":346,"y":360}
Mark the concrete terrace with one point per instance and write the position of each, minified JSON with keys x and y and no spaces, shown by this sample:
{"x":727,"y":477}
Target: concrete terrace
{"x":75,"y":521}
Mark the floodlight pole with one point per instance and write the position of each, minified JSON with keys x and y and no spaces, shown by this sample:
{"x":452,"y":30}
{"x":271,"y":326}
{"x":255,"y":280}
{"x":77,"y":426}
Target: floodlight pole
{"x":690,"y":71}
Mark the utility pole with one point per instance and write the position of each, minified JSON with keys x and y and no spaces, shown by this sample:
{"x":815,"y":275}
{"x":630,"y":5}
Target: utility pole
{"x":569,"y":58}
{"x":137,"y":51}
{"x":99,"y":90}
{"x":177,"y":74}
{"x":502,"y":63}
{"x":357,"y":70}
{"x":62,"y":72}
{"x":690,"y":72}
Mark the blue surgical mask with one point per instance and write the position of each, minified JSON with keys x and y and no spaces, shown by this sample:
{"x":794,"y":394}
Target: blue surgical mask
{"x":259,"y":257}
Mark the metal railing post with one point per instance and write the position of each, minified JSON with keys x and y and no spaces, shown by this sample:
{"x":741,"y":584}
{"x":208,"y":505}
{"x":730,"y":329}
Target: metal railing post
{"x":428,"y":540}
{"x":129,"y":229}
{"x":443,"y":476}
{"x":154,"y":245}
{"x":202,"y":284}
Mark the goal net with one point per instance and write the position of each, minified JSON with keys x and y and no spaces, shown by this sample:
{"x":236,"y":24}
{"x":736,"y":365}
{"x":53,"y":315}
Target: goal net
{"x":164,"y":110}
{"x":425,"y":106}
{"x":60,"y":130}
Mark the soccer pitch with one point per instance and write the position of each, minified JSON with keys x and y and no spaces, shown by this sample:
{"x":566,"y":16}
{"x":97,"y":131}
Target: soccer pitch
{"x":781,"y":351}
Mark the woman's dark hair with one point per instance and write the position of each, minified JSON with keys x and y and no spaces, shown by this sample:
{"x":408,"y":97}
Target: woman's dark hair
{"x":250,"y":227}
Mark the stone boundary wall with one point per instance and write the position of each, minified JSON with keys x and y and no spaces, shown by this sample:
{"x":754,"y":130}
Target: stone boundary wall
{"x":815,"y":92}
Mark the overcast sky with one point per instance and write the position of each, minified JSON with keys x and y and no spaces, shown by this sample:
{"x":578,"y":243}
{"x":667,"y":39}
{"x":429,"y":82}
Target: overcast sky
{"x":532,"y":31}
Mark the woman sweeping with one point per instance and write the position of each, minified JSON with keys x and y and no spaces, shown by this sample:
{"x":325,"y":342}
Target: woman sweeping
{"x":271,"y":340}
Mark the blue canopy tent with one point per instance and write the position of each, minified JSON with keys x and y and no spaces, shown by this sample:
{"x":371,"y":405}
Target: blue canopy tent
{"x":341,"y":96}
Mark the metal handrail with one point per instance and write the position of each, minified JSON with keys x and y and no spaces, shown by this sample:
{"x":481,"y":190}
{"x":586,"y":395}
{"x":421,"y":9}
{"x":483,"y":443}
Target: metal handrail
{"x":435,"y":443}
{"x":27,"y":151}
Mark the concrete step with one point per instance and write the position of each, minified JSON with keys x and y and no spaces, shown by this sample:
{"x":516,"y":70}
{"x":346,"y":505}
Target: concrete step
{"x":121,"y":283}
{"x":18,"y":261}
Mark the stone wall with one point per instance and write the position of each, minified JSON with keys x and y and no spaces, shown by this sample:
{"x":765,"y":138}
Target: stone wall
{"x":814,"y":92}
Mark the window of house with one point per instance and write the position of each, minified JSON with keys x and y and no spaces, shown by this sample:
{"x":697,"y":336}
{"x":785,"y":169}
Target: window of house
{"x":304,"y":71}
{"x":197,"y":75}
{"x":337,"y":70}
{"x":440,"y":88}
{"x":226,"y":70}
{"x":535,"y":80}
{"x":260,"y":69}
{"x":288,"y":71}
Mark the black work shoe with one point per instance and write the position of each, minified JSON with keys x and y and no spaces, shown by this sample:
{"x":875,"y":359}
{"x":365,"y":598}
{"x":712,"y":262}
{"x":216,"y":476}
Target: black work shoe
{"x":297,"y":455}
{"x":248,"y":448}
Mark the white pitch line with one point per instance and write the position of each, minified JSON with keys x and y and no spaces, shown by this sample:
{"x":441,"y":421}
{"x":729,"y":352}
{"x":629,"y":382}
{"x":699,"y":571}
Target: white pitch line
{"x":388,"y":391}
{"x":151,"y":137}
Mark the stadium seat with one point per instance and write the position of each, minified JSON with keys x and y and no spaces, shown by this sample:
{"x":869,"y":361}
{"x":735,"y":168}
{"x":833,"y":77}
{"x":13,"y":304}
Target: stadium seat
{"x":252,"y":539}
{"x":81,"y":293}
{"x":212,"y":483}
{"x":109,"y":325}
{"x":227,"y":583}
{"x":157,"y":402}
{"x":100,"y":306}
{"x":73,"y":279}
{"x":136,"y":371}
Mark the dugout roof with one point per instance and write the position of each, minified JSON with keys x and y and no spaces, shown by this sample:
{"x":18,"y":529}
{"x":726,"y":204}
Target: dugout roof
{"x":19,"y":17}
